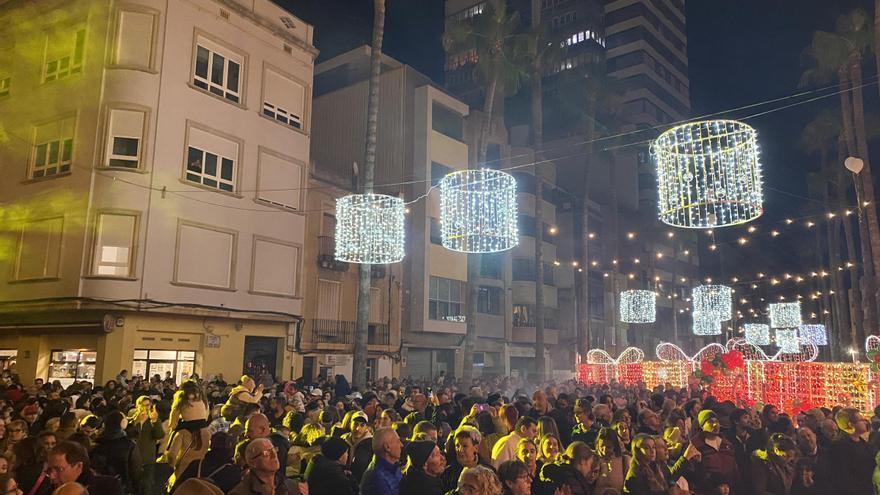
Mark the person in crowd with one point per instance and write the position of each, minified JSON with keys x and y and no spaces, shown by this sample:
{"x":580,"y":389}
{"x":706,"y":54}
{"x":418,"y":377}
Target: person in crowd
{"x":585,"y":429}
{"x":718,"y":458}
{"x":217,"y":467}
{"x":515,"y":478}
{"x":465,"y":453}
{"x":479,"y":480}
{"x":9,"y":486}
{"x":359,"y":440}
{"x":30,"y":467}
{"x":66,"y":425}
{"x":326,"y":472}
{"x":563,"y":415}
{"x":577,"y":473}
{"x":649,"y":422}
{"x":852,"y":462}
{"x":146,"y":430}
{"x":611,"y":450}
{"x":115,"y":455}
{"x":645,"y":476}
{"x":246,"y":392}
{"x":773,"y":470}
{"x":527,"y":453}
{"x":188,"y":435}
{"x":505,"y":449}
{"x":263,"y":466}
{"x":383,"y":475}
{"x":549,"y":448}
{"x":69,"y":462}
{"x":425,"y":464}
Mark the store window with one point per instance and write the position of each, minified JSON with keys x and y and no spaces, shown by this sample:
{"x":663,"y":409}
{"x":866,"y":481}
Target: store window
{"x":151,"y":362}
{"x":71,"y":365}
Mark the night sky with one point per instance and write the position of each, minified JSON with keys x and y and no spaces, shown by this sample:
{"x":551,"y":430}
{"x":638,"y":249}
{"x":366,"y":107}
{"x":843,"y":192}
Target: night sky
{"x":740,"y":52}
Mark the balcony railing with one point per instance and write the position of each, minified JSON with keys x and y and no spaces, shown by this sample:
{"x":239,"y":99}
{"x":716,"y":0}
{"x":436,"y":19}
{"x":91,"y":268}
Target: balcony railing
{"x":342,"y":332}
{"x":327,"y":255}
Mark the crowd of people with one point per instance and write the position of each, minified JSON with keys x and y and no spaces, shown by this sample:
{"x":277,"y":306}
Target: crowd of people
{"x":402,"y":437}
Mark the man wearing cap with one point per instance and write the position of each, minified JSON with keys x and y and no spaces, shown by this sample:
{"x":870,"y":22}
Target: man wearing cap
{"x":425,"y":463}
{"x":360,"y":444}
{"x":383,"y":476}
{"x":718,"y":465}
{"x":326,"y":471}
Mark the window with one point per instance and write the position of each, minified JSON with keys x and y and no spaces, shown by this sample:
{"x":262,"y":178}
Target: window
{"x":446,"y":299}
{"x":217,"y":70}
{"x":523,"y":270}
{"x":283,"y":99}
{"x":280,"y":180}
{"x":376,"y":305}
{"x":64,"y":54}
{"x":114,"y":245}
{"x":53,"y":148}
{"x":372,"y":369}
{"x":148,"y":363}
{"x":39,"y":249}
{"x":72,"y":365}
{"x":447,"y":122}
{"x":329,"y":299}
{"x":522,"y":315}
{"x":489,"y":300}
{"x":210,"y":160}
{"x":205,"y":256}
{"x":469,"y":12}
{"x":436,"y":234}
{"x":5,"y":83}
{"x":134,"y":39}
{"x":438,"y":172}
{"x":490,"y":265}
{"x":124,"y":137}
{"x":276,"y":267}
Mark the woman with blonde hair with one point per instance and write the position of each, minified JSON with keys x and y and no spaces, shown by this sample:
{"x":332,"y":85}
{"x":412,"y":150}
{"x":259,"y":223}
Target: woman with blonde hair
{"x":549,"y":448}
{"x":478,"y":480}
{"x":188,"y":432}
{"x":644,"y":476}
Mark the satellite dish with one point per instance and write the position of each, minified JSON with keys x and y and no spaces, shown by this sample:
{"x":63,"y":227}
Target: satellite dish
{"x":853,"y":164}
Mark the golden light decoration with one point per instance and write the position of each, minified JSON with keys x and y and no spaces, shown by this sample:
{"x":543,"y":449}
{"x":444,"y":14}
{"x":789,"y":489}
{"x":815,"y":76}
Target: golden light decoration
{"x":638,"y":306}
{"x":478,"y":211}
{"x":708,"y":174}
{"x":757,"y":333}
{"x":715,"y":301}
{"x":370,"y":229}
{"x":785,"y":315}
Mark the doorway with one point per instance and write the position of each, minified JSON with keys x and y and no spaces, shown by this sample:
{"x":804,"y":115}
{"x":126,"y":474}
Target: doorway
{"x":260,"y":356}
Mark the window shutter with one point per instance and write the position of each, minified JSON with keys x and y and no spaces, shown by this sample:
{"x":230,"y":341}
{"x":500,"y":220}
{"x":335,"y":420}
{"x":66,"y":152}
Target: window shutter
{"x":135,"y":39}
{"x":206,"y":141}
{"x":280,"y":181}
{"x":375,"y":305}
{"x":285,"y":94}
{"x":127,"y":126}
{"x":329,"y":299}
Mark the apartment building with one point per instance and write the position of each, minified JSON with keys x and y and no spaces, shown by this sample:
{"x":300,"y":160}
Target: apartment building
{"x":153,"y":208}
{"x":326,"y":343}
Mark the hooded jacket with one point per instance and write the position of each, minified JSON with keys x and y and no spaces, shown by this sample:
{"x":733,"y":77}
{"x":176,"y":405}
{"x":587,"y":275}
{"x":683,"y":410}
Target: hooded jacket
{"x":115,"y":455}
{"x":327,"y":476}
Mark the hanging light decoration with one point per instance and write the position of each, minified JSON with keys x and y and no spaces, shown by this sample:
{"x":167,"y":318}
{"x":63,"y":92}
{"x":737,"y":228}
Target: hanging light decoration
{"x":785,"y":315}
{"x":706,"y":324}
{"x":757,"y":333}
{"x":787,"y":340}
{"x":369,"y":229}
{"x":638,"y":306}
{"x":813,"y":334}
{"x":478,"y":211}
{"x":708,"y":174}
{"x":713,"y":300}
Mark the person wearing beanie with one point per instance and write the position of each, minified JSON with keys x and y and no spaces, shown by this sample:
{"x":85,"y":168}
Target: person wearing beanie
{"x":424,"y":465}
{"x":115,"y":454}
{"x":718,"y":457}
{"x":326,"y":472}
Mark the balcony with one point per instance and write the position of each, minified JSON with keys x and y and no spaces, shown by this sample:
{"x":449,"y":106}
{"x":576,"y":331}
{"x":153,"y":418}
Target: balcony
{"x":327,"y":255}
{"x":342,"y":332}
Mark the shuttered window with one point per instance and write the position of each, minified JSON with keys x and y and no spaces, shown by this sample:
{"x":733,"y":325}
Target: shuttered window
{"x":280,"y":181}
{"x":283,"y":99}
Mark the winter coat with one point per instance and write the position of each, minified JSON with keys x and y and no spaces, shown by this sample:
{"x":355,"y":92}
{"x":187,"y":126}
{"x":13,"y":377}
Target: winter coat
{"x":327,"y":476}
{"x":554,"y":476}
{"x":99,"y":484}
{"x":115,"y":455}
{"x":416,"y":482}
{"x":852,"y":466}
{"x":218,"y":468}
{"x":769,"y":477}
{"x":715,"y":467}
{"x":146,"y":435}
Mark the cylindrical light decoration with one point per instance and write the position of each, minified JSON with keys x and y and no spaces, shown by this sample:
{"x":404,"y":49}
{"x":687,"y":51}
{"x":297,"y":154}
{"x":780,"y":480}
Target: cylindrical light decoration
{"x":369,"y":228}
{"x":813,"y":334}
{"x":757,"y":333}
{"x":706,"y":324}
{"x":714,"y":301}
{"x":787,"y":340}
{"x":638,"y":306}
{"x":478,"y":211}
{"x":785,"y":315}
{"x":708,"y":174}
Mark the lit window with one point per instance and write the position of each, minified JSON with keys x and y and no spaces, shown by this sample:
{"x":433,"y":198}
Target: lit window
{"x":5,"y":83}
{"x":114,"y":245}
{"x":446,"y":299}
{"x":53,"y":148}
{"x":64,"y":55}
{"x":217,"y":70}
{"x":211,"y":160}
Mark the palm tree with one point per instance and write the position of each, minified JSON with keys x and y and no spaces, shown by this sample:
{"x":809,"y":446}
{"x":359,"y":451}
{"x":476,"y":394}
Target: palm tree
{"x":501,"y":52}
{"x":839,"y":55}
{"x":359,"y":364}
{"x":820,"y":136}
